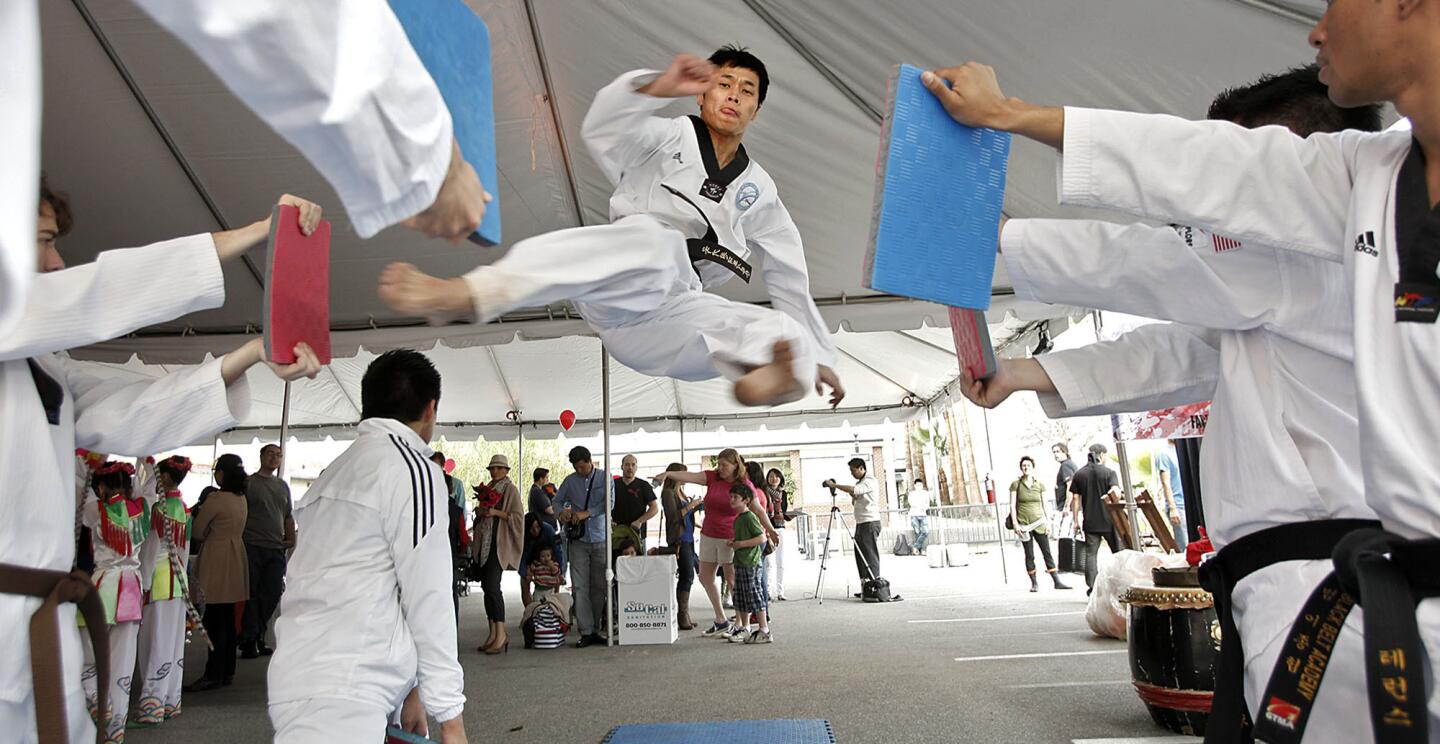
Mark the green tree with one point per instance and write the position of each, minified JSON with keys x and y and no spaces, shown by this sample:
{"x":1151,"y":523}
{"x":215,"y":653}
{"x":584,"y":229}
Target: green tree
{"x":472,"y":457}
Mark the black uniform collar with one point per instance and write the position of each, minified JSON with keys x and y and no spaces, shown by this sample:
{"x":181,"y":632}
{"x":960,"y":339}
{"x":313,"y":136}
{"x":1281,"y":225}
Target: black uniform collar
{"x":716,"y":178}
{"x":1417,"y":226}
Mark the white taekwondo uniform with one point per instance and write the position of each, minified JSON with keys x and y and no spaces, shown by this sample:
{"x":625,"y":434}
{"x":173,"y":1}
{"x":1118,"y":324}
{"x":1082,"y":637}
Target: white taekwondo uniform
{"x":68,"y":308}
{"x":637,"y":282}
{"x":367,"y":608}
{"x":1330,"y":197}
{"x":338,"y":79}
{"x":1280,"y":445}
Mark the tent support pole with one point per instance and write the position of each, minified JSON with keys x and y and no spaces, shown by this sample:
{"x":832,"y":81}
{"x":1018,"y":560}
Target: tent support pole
{"x":609,"y":498}
{"x":520,"y":448}
{"x":999,"y":520}
{"x":1132,"y":515}
{"x":284,"y":429}
{"x":682,"y":440}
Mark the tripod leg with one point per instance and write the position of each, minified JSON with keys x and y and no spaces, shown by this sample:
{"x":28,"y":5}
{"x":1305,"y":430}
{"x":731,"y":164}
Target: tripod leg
{"x":825,"y":554}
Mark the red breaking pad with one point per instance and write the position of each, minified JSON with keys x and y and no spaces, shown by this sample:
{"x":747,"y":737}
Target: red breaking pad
{"x":297,"y":287}
{"x":972,"y":342}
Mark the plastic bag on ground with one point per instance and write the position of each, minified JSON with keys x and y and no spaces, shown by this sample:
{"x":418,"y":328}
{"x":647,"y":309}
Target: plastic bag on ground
{"x":1118,"y":572}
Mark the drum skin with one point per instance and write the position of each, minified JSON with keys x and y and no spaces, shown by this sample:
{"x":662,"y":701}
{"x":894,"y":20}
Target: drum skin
{"x":1174,"y":644}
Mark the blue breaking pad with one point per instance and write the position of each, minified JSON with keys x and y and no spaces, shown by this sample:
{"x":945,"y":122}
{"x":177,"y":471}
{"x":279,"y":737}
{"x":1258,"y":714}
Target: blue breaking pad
{"x":454,"y":45}
{"x":724,"y":732}
{"x":938,"y":193}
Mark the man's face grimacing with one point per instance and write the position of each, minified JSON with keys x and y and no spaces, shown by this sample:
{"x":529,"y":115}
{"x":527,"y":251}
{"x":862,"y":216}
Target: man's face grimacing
{"x":732,"y":103}
{"x":628,"y":466}
{"x":47,"y":232}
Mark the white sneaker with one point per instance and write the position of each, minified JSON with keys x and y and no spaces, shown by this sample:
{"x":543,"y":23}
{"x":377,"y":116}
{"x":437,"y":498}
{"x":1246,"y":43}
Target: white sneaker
{"x":739,"y":636}
{"x":759,"y":636}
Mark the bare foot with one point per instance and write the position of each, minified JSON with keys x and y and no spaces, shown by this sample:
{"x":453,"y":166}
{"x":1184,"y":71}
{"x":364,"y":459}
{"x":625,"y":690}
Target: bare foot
{"x":411,"y":291}
{"x":773,"y":383}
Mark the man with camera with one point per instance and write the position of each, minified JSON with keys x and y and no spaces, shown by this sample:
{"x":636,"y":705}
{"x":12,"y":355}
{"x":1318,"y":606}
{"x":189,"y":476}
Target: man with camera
{"x":581,"y":500}
{"x":867,"y":519}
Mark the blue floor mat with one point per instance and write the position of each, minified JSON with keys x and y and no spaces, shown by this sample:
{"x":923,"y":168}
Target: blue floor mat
{"x":724,"y":732}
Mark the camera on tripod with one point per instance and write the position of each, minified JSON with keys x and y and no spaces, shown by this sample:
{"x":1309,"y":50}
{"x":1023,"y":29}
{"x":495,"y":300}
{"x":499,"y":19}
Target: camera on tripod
{"x":830,"y":484}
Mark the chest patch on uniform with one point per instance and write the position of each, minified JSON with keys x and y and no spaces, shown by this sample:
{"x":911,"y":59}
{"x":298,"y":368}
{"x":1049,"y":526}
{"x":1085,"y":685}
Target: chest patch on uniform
{"x":717,"y":179}
{"x":746,"y":197}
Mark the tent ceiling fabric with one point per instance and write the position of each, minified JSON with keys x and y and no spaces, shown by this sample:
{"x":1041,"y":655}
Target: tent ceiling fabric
{"x":548,"y":376}
{"x":197,"y":160}
{"x":150,"y":145}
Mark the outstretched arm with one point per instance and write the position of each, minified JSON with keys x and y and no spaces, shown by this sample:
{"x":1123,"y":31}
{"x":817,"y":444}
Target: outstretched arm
{"x":620,"y":129}
{"x":1154,"y":366}
{"x":1263,"y":185}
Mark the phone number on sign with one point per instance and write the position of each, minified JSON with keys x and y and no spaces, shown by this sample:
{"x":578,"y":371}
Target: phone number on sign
{"x":646,"y":626}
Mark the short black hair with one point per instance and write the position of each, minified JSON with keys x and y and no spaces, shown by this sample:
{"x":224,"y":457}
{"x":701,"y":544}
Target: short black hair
{"x":233,"y":468}
{"x":732,"y":55}
{"x":1295,"y":99}
{"x":856,"y":462}
{"x":268,"y":446}
{"x":776,"y":472}
{"x":540,"y":473}
{"x":579,"y":454}
{"x":398,"y":385}
{"x":438,"y":458}
{"x":1026,"y":458}
{"x":743,"y":491}
{"x":60,"y":203}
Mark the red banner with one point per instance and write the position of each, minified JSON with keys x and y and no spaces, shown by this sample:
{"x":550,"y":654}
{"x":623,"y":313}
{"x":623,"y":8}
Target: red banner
{"x":1167,"y":423}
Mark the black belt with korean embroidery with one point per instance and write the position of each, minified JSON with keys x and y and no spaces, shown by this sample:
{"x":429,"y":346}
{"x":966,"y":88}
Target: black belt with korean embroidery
{"x":1229,"y":721}
{"x":1417,"y":244}
{"x":708,"y":248}
{"x":1388,"y":575}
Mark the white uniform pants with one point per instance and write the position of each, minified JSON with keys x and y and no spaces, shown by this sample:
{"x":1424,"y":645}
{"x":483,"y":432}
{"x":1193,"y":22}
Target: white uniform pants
{"x":633,"y":283}
{"x":320,"y":720}
{"x":162,"y":660}
{"x":17,"y":690}
{"x":775,"y":568}
{"x":122,"y":637}
{"x":1266,"y":604}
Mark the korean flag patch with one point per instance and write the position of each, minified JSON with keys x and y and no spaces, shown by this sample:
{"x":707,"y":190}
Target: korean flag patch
{"x":747,"y":195}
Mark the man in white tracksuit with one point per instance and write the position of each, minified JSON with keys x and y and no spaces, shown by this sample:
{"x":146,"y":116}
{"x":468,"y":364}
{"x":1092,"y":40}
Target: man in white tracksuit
{"x":690,"y":212}
{"x":380,"y":132}
{"x":50,"y":404}
{"x":1364,"y":202}
{"x":367,"y":613}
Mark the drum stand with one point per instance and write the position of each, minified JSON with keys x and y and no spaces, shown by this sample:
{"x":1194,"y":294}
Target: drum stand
{"x":836,"y":516}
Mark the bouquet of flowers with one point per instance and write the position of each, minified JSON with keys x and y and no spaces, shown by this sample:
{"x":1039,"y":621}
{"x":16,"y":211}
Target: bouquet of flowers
{"x":486,"y":497}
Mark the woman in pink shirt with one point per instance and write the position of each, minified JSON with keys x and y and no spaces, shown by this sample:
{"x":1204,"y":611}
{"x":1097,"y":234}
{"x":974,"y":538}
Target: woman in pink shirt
{"x":719,"y":526}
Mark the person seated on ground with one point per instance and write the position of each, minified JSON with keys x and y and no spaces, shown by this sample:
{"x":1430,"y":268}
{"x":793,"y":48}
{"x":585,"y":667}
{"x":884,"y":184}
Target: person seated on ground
{"x":538,"y":532}
{"x":545,"y":571}
{"x":543,"y":623}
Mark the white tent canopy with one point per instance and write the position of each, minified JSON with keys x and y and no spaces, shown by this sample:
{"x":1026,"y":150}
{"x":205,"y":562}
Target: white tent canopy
{"x":890,"y":375}
{"x":149,"y":145}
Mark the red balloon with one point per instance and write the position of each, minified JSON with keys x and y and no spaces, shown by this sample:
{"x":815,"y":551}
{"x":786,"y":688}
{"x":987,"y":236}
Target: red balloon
{"x":567,"y":419}
{"x":450,"y":465}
